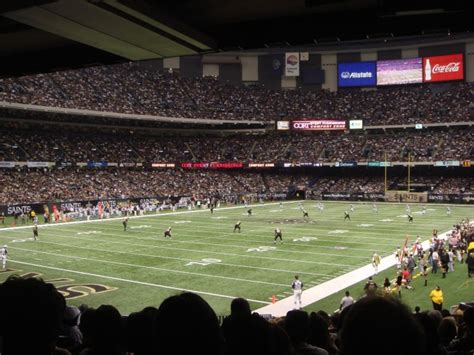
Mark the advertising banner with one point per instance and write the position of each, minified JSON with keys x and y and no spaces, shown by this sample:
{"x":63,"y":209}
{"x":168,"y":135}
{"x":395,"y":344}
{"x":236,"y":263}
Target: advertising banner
{"x":163,"y":165}
{"x":212,"y":165}
{"x":402,"y":71}
{"x":39,"y":164}
{"x":261,"y":165}
{"x":357,"y":74}
{"x":97,"y":164}
{"x":292,"y":64}
{"x":443,"y":68}
{"x":356,"y":124}
{"x":282,"y":125}
{"x":447,"y":163}
{"x":318,"y":125}
{"x":379,"y":164}
{"x":7,"y":164}
{"x":405,"y":196}
{"x":345,"y":164}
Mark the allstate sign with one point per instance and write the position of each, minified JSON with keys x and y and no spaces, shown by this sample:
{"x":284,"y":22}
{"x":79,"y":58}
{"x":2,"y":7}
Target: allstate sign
{"x":357,"y":74}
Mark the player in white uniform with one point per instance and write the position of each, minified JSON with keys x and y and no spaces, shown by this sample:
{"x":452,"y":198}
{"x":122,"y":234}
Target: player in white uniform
{"x":3,"y":256}
{"x":352,"y":208}
{"x":297,"y":287}
{"x":320,"y":206}
{"x":374,"y":208}
{"x":448,"y":211}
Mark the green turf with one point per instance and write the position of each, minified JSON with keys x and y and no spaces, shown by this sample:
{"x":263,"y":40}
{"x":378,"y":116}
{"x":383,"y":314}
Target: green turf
{"x":144,"y":268}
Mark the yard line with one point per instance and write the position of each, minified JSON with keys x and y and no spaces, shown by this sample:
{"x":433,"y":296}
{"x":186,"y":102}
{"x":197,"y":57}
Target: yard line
{"x":232,"y":246}
{"x":184,"y":260}
{"x":252,"y":238}
{"x":151,"y":267}
{"x":211,"y":252}
{"x":132,"y":281}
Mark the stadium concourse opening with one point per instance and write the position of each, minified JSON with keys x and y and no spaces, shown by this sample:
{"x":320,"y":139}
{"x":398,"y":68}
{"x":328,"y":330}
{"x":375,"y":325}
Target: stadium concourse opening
{"x":185,"y":177}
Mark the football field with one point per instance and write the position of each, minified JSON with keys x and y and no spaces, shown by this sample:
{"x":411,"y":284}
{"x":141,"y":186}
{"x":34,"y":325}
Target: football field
{"x":99,"y":263}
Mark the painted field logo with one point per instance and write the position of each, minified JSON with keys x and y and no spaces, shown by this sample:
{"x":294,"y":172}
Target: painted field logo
{"x":89,"y":232}
{"x":72,"y":291}
{"x":367,"y":225}
{"x":204,"y":262}
{"x":338,"y":231}
{"x":140,"y":227}
{"x":305,"y":239}
{"x":182,"y":222}
{"x":261,"y":249}
{"x":386,"y":220}
{"x":82,"y":290}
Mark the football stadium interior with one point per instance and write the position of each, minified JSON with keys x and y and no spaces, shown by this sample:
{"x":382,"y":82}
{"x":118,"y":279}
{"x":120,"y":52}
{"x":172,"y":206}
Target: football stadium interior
{"x":235,"y":177}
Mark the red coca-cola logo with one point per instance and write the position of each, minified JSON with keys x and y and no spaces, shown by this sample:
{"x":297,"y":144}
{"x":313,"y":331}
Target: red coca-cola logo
{"x":448,"y":68}
{"x":443,"y":68}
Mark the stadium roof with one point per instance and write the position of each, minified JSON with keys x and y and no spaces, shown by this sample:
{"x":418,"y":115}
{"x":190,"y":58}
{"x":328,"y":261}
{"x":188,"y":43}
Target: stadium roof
{"x":41,"y":35}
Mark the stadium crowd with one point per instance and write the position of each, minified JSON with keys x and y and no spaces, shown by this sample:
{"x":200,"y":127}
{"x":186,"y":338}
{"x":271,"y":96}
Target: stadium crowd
{"x":131,"y":88}
{"x":38,"y":145}
{"x":36,"y":320}
{"x":29,"y":185}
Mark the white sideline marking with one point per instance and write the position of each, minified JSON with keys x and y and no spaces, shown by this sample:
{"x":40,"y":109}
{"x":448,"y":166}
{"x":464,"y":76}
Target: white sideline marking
{"x":154,"y":268}
{"x":137,"y":217}
{"x":328,"y":288}
{"x":133,"y":281}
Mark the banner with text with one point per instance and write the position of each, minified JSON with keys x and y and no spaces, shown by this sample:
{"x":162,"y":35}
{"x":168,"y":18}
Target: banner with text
{"x":318,"y":125}
{"x":357,"y":74}
{"x":443,"y":68}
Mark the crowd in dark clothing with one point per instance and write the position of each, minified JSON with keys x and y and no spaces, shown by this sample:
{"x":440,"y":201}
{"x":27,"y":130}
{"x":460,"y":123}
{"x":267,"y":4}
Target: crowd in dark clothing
{"x":36,"y":320}
{"x":30,"y":185}
{"x":132,"y":88}
{"x":70,"y":146}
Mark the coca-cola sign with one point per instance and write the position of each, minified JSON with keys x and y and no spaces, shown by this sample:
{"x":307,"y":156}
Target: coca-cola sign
{"x":443,"y":68}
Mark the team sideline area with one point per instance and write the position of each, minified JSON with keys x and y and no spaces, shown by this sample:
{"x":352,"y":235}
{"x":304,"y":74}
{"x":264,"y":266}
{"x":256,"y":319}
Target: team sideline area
{"x":99,"y":262}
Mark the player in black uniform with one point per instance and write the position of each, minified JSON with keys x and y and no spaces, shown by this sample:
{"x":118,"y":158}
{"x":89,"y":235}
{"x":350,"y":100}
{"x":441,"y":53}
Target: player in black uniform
{"x":347,"y":216}
{"x":168,"y":233}
{"x":305,"y":214}
{"x":278,"y":235}
{"x":35,"y":232}
{"x":211,"y":208}
{"x":249,"y":212}
{"x":237,"y":226}
{"x":125,"y":223}
{"x":410,"y":218}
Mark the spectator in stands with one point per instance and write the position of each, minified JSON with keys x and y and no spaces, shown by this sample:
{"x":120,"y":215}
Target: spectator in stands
{"x":465,"y":341}
{"x":447,"y":331}
{"x":370,"y":328}
{"x":106,"y":332}
{"x":187,"y":324}
{"x":298,"y":329}
{"x":140,"y":332}
{"x":32,"y":313}
{"x":319,"y":334}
